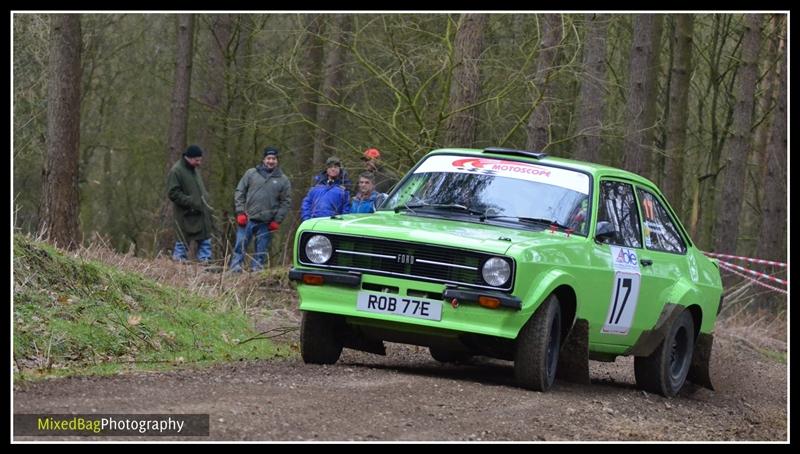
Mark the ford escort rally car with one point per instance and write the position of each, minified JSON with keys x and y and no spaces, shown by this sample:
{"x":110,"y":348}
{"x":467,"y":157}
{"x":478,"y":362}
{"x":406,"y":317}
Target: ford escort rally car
{"x":515,"y":255}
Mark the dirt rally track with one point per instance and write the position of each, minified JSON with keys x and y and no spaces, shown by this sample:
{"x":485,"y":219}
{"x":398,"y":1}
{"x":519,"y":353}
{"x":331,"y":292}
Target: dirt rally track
{"x":409,"y":396}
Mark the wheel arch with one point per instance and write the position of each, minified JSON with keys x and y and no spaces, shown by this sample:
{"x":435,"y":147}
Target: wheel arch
{"x":568,"y":302}
{"x":560,"y":284}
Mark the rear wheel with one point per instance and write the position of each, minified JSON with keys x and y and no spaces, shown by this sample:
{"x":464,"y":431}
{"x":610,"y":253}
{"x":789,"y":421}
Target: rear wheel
{"x":664,"y":371}
{"x":538,"y":345}
{"x":320,"y":342}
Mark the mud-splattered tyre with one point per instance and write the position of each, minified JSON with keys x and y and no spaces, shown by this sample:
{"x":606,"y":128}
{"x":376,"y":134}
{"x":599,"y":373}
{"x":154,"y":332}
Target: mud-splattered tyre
{"x":538,"y":345}
{"x":664,"y":371}
{"x":320,"y":342}
{"x":448,"y":356}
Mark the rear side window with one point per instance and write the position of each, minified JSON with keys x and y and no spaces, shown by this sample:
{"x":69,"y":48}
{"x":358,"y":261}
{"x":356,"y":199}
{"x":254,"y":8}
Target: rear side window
{"x":660,"y":232}
{"x":618,"y":206}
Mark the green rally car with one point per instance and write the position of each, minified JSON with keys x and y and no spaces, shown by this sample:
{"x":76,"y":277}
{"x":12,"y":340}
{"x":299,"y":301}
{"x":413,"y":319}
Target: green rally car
{"x":512,"y":254}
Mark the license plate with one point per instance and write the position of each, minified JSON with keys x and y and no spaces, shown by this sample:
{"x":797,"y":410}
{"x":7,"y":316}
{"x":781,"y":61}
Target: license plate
{"x":387,"y":303}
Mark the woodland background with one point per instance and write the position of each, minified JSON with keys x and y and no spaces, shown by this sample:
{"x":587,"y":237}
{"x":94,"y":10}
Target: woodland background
{"x":103,"y":104}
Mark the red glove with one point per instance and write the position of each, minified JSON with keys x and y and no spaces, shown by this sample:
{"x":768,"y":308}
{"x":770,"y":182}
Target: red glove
{"x":273,"y":226}
{"x":241,"y":219}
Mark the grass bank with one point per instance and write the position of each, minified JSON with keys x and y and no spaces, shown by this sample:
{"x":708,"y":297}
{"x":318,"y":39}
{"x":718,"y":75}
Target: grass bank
{"x":74,"y":316}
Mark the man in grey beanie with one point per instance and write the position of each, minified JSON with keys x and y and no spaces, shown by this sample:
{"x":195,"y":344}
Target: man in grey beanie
{"x":262,"y":198}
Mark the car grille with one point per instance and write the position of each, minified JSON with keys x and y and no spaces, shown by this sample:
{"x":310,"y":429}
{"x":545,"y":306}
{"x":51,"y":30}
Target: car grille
{"x":406,"y":259}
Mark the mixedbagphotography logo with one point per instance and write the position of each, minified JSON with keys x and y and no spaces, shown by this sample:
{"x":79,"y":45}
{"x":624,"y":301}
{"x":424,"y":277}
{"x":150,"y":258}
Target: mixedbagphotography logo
{"x":188,"y":425}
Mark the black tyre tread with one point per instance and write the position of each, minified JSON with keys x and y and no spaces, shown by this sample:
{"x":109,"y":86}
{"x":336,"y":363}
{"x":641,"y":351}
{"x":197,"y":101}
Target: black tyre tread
{"x":319,"y":341}
{"x":531,"y":355}
{"x":652,"y":372}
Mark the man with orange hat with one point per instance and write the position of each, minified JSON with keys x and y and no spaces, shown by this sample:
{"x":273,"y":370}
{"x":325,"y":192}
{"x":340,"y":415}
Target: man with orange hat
{"x":384,"y":178}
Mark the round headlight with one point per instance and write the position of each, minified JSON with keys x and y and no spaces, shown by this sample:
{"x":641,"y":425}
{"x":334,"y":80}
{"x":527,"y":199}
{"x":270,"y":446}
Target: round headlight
{"x":496,"y":271}
{"x":319,"y":249}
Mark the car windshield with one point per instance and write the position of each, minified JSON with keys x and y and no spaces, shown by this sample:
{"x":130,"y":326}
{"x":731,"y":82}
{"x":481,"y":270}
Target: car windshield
{"x":496,"y":190}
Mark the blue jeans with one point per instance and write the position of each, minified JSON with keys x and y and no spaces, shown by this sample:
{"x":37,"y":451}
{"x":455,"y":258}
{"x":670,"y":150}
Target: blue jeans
{"x":243,"y":237}
{"x":180,"y":252}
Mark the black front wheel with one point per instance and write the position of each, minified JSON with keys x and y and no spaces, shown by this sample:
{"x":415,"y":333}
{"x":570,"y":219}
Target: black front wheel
{"x":664,"y":371}
{"x":320,"y":339}
{"x":538,"y":346}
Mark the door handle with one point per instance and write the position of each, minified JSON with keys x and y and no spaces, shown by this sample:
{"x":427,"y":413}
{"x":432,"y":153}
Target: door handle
{"x":646,"y":262}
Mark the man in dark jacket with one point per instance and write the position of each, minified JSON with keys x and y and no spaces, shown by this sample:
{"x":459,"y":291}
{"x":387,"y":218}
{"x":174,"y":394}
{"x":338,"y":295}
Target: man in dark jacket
{"x":190,"y":206}
{"x":329,"y":196}
{"x":262,"y":200}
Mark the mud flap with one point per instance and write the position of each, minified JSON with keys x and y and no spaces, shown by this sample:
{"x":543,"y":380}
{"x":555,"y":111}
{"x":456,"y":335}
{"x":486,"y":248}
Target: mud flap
{"x":699,"y":371}
{"x":573,"y":360}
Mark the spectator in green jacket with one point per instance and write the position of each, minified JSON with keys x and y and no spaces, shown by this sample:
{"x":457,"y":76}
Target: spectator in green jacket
{"x":262,"y":200}
{"x":190,"y":206}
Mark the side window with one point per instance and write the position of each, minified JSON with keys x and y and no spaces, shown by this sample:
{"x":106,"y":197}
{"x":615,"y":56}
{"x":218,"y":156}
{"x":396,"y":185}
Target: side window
{"x":618,"y":206}
{"x":660,"y":233}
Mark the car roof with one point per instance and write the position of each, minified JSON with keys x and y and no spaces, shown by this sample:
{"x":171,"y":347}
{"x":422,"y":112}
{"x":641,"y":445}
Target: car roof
{"x":597,"y":170}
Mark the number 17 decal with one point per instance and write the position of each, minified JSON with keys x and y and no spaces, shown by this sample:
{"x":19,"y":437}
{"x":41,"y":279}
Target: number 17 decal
{"x":624,"y":296}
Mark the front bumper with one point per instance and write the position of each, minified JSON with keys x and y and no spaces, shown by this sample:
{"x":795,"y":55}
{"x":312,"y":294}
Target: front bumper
{"x":338,"y":294}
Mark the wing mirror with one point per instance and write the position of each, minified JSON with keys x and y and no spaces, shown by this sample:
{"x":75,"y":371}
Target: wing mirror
{"x":605,"y":231}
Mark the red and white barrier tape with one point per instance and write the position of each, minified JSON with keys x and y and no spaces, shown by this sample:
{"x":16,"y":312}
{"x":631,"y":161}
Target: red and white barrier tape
{"x":731,"y":270}
{"x":754,"y":273}
{"x":746,"y":259}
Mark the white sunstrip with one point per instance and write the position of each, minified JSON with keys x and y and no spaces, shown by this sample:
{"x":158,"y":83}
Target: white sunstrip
{"x":624,"y":292}
{"x":569,"y":179}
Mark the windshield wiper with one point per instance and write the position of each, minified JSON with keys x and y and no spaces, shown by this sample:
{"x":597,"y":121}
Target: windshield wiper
{"x":449,"y":207}
{"x":527,"y":220}
{"x":439,"y":206}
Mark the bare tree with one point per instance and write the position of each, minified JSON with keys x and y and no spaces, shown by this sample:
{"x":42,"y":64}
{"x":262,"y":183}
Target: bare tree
{"x":59,"y":203}
{"x":465,"y":86}
{"x":539,"y":123}
{"x":179,"y":112}
{"x":591,"y":103}
{"x":767,"y":101}
{"x":729,"y":199}
{"x":641,"y":104}
{"x":331,"y":84}
{"x":772,"y":239}
{"x":309,"y":64}
{"x":212,"y":133}
{"x":675,"y":146}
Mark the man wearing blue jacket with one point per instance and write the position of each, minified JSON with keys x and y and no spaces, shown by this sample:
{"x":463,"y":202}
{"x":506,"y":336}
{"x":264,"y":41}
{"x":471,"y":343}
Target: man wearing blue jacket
{"x":367,"y":200}
{"x":328,"y":196}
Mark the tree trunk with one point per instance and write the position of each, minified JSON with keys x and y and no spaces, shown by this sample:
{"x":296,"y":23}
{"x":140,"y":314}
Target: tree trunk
{"x":466,"y":84}
{"x":729,"y":202}
{"x":771,"y":82}
{"x":302,"y":152}
{"x":641,"y":105}
{"x":591,"y":98}
{"x":675,"y":145}
{"x":756,"y":171}
{"x":309,"y":65}
{"x":772,"y":238}
{"x":179,"y":114}
{"x":331,"y":83}
{"x":711,"y":108}
{"x":213,"y":97}
{"x":539,"y":123}
{"x":60,"y":197}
